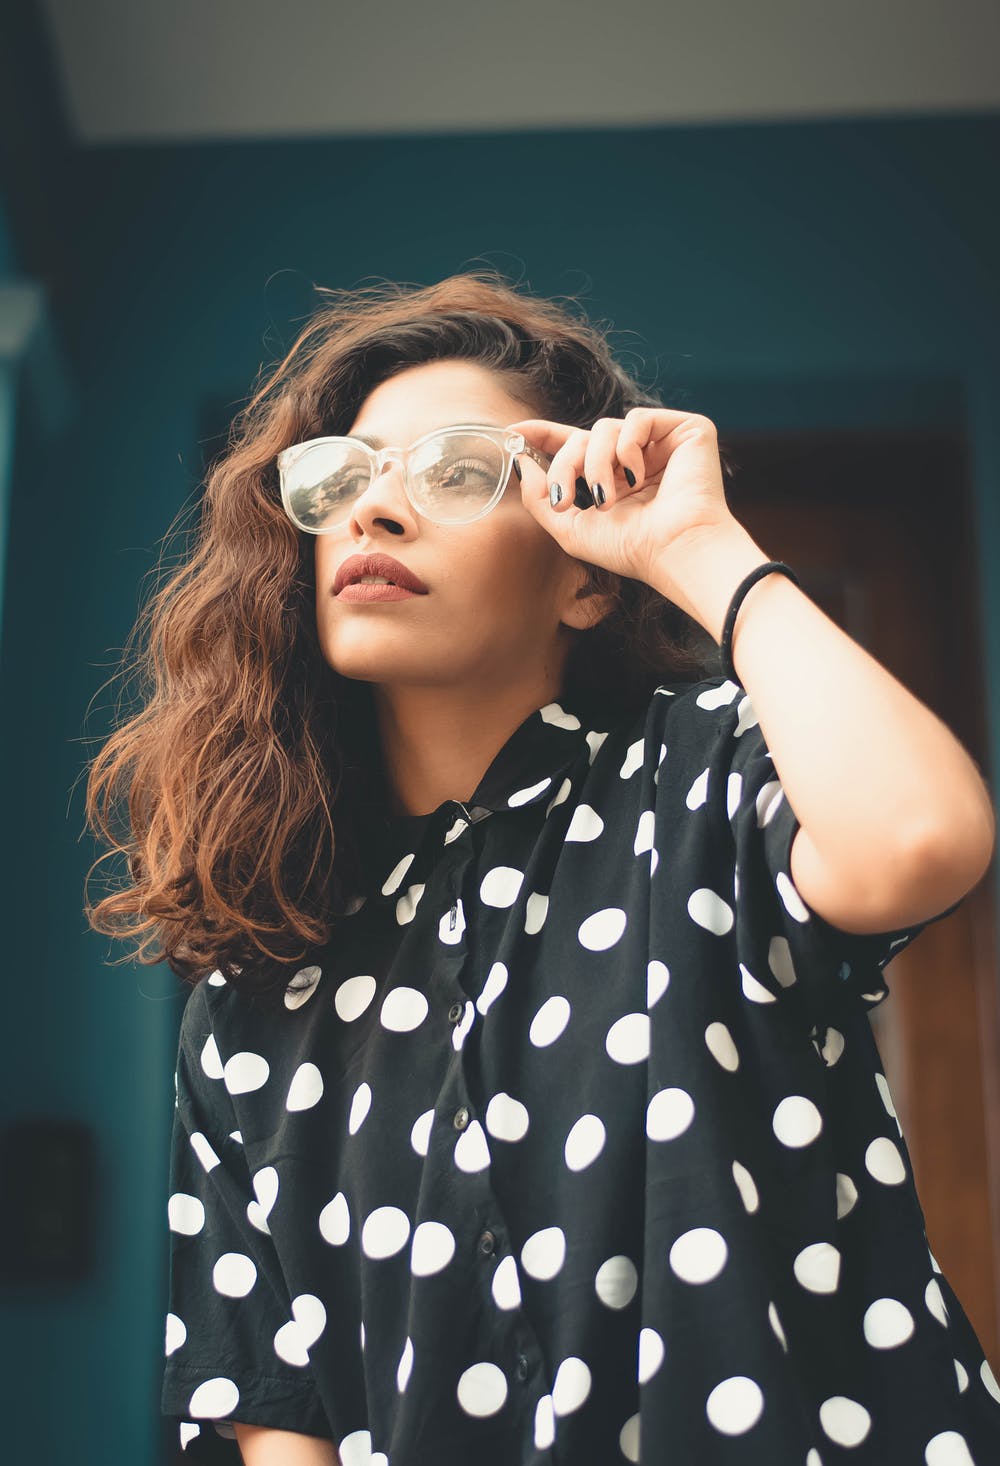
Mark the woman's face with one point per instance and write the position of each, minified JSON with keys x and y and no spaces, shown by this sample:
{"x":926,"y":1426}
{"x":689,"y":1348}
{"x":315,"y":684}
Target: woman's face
{"x":501,"y":591}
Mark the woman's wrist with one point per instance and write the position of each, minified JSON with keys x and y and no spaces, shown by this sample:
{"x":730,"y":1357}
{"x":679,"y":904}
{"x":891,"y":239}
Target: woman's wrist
{"x":701,"y":573}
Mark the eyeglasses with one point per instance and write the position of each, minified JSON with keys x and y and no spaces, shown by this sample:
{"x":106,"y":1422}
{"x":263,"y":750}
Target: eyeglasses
{"x":454,"y":475}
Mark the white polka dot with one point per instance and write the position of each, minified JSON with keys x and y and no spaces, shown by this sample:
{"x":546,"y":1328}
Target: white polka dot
{"x":294,"y":1339}
{"x":962,"y":1375}
{"x":203,"y":1150}
{"x":472,"y":1151}
{"x":767,"y":801}
{"x":214,"y":1398}
{"x":353,"y":997}
{"x":506,"y":1285}
{"x":699,"y":1255}
{"x":397,"y":873}
{"x":403,"y":1009}
{"x":735,"y":1405}
{"x":833,"y":1046}
{"x":616,"y":1281}
{"x":405,"y":1366}
{"x":668,"y":1114}
{"x":420,"y":1132}
{"x":884,"y":1162}
{"x":361,"y":1102}
{"x":628,"y":1438}
{"x":175,"y":1334}
{"x":796,"y":1120}
{"x":549,"y":1022}
{"x":584,"y":1142}
{"x":603,"y":929}
{"x":571,"y":1386}
{"x":698,"y":792}
{"x":934,"y":1299}
{"x":529,"y":795}
{"x":627,"y":1040}
{"x":406,"y":906}
{"x":844,"y":1420}
{"x":265,"y":1186}
{"x":500,"y":886}
{"x":432,"y":1249}
{"x":755,"y":991}
{"x":948,"y":1449}
{"x":813,"y":1457}
{"x":536,"y":909}
{"x":779,"y":959}
{"x":544,"y":1253}
{"x":882,"y":1085}
{"x":791,"y":899}
{"x":887,"y":1323}
{"x":234,"y":1274}
{"x":989,"y":1380}
{"x":651,"y":1352}
{"x":335,"y":1221}
{"x":494,"y":985}
{"x":185,"y":1214}
{"x":657,"y":982}
{"x":506,"y":1118}
{"x":245,"y":1072}
{"x":847,"y":1194}
{"x":385,"y":1231}
{"x":482,"y":1389}
{"x":708,"y":909}
{"x":356,"y":1449}
{"x":302,"y":987}
{"x":747,"y":1187}
{"x":545,"y":1423}
{"x":721,"y":1046}
{"x":645,"y":832}
{"x":585,"y":824}
{"x":306,"y":1088}
{"x":817,"y":1267}
{"x":775,"y":1322}
{"x":209,"y":1059}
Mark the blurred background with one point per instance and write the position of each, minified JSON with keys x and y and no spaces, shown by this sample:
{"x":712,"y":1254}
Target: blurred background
{"x":789,"y":215}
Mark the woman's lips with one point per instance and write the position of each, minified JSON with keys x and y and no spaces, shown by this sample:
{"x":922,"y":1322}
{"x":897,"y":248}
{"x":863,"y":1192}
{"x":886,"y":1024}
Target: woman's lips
{"x":357,"y":591}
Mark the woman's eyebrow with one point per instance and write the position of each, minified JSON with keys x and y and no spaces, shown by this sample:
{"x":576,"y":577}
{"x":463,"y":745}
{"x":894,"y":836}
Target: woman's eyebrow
{"x":374,"y":442}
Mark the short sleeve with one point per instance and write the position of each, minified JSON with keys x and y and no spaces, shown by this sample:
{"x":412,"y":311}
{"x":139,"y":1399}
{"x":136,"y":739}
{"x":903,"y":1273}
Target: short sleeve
{"x":231,"y":1351}
{"x":781,"y":942}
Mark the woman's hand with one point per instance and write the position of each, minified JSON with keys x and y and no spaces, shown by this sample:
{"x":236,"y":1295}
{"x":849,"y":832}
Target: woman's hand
{"x":677,"y":492}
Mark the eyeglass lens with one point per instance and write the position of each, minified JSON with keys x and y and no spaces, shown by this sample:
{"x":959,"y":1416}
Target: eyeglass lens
{"x":452,"y":477}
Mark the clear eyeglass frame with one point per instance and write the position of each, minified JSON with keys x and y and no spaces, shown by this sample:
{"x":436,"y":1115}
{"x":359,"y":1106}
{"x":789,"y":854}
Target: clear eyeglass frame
{"x":510,"y":442}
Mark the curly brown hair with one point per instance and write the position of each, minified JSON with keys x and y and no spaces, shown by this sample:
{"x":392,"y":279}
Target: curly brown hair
{"x":247,"y":741}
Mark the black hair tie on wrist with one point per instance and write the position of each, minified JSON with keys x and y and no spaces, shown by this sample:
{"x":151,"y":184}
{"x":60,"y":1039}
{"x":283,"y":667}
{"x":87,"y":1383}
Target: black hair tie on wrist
{"x":726,"y":645}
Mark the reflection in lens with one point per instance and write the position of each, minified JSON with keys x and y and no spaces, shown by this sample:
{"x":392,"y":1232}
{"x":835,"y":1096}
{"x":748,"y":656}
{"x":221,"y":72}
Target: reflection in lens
{"x":453,"y":477}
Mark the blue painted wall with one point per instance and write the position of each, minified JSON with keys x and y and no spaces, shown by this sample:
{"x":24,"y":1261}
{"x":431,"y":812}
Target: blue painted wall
{"x":782,"y":276}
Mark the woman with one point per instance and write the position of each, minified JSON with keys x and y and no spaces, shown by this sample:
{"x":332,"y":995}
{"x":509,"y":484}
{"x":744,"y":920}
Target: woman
{"x":527,"y":1103}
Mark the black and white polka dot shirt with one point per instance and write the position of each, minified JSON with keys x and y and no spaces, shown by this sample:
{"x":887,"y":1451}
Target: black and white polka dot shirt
{"x":573,"y":1147}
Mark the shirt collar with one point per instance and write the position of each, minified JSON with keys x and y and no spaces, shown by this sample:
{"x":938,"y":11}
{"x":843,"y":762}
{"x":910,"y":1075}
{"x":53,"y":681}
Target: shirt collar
{"x":525,"y":771}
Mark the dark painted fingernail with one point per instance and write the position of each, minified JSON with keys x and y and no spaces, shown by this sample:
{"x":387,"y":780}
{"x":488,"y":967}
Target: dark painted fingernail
{"x":630,"y":476}
{"x":517,"y":470}
{"x":583,"y":498}
{"x":555,"y":494}
{"x":599,"y":496}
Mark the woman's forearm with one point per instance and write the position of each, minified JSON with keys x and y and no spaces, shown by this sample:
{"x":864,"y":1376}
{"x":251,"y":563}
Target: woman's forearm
{"x":867,"y":767}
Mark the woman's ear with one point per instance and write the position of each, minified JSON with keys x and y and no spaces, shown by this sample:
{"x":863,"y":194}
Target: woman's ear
{"x":585,"y":605}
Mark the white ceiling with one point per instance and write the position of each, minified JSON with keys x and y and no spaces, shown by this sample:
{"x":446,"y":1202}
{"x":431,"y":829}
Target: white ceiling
{"x":136,"y":71}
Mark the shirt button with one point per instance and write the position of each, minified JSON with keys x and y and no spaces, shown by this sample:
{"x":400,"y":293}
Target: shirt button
{"x":487,"y":1243}
{"x":461,"y":1118}
{"x":522,"y":1366}
{"x":455,"y":1012}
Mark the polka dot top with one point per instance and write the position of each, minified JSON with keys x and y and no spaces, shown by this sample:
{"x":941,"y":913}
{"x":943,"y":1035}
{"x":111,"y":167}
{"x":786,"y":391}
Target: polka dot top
{"x":573,"y":1147}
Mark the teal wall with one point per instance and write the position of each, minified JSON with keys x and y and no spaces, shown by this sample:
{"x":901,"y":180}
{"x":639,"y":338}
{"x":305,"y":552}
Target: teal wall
{"x":782,"y":276}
